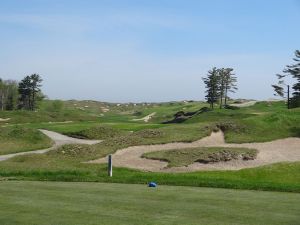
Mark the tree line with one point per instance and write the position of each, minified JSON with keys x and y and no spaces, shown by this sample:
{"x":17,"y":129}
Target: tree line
{"x":21,"y":95}
{"x":218,"y":83}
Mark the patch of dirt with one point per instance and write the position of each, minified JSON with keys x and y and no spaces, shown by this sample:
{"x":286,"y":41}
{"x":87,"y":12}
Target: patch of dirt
{"x":63,"y":122}
{"x":104,"y":109}
{"x":146,"y":118}
{"x":4,"y":119}
{"x":244,"y":104}
{"x":282,"y":150}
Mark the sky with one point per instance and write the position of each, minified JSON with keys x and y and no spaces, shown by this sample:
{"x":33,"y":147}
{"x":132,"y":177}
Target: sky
{"x":147,"y":51}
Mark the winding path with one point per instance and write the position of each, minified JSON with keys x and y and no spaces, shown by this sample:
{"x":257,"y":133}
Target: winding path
{"x":287,"y":149}
{"x":58,"y":140}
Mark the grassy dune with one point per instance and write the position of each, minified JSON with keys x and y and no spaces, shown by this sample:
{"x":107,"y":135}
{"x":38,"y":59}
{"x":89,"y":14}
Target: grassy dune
{"x":18,"y":139}
{"x":98,"y":203}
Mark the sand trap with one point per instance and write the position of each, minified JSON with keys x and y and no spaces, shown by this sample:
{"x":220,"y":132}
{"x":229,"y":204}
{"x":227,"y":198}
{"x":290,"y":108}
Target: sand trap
{"x":69,"y":121}
{"x":4,"y":120}
{"x":244,"y":104}
{"x":283,"y":150}
{"x":103,"y":109}
{"x":146,"y":118}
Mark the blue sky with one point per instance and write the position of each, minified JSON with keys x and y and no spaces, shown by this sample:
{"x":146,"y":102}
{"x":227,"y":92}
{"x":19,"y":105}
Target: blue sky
{"x":158,"y":50}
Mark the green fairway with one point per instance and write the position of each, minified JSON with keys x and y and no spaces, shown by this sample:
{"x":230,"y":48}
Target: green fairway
{"x":99,"y":203}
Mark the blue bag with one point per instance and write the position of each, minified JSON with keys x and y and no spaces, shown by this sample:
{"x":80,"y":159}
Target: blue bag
{"x":152,"y":184}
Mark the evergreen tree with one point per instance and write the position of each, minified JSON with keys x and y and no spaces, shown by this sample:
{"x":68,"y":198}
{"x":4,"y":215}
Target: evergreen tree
{"x":212,"y":86}
{"x":230,"y":81}
{"x":294,"y":72}
{"x":29,"y":90}
{"x":222,"y":81}
{"x":36,"y":81}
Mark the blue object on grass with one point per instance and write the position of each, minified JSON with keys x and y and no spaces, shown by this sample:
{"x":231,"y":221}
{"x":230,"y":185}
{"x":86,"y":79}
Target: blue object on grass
{"x":152,"y":184}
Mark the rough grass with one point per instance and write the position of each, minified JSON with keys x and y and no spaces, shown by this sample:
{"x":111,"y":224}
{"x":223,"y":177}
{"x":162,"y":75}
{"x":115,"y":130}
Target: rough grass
{"x":98,"y":132}
{"x":19,"y":139}
{"x":46,"y":203}
{"x":264,"y":121}
{"x":266,"y":127}
{"x":185,"y":157}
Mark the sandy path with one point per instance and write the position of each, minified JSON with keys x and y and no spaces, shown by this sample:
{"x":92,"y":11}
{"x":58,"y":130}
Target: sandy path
{"x":58,"y":140}
{"x":146,"y":118}
{"x":269,"y":152}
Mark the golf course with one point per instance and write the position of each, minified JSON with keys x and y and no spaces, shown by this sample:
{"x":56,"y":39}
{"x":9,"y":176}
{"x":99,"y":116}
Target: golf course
{"x":138,"y":112}
{"x":214,"y":160}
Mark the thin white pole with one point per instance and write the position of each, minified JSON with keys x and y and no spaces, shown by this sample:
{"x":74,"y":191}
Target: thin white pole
{"x":110,"y":165}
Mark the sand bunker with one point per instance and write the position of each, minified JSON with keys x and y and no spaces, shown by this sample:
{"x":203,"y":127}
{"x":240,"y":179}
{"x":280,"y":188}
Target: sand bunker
{"x":146,"y":118}
{"x":4,"y":119}
{"x":283,"y":150}
{"x":244,"y":104}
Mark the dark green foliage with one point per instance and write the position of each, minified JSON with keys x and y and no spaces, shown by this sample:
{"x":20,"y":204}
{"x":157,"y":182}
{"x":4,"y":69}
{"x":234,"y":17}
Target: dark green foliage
{"x":29,"y":90}
{"x":212,"y":86}
{"x":294,"y":72}
{"x":182,"y":116}
{"x":218,"y":83}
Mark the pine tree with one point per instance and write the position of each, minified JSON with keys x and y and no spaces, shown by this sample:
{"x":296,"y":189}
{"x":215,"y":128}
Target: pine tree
{"x":212,"y":86}
{"x":230,"y":83}
{"x":222,"y":79}
{"x":294,"y":72}
{"x":29,"y":89}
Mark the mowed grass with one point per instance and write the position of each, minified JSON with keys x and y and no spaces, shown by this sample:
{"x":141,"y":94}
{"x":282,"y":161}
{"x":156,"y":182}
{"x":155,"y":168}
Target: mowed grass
{"x":19,"y":139}
{"x":46,"y":203}
{"x":187,"y":156}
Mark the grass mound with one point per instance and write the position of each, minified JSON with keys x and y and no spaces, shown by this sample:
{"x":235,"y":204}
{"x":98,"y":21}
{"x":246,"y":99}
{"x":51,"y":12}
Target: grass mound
{"x":21,"y":139}
{"x":98,"y":132}
{"x":73,"y":151}
{"x":149,"y":133}
{"x":185,"y":157}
